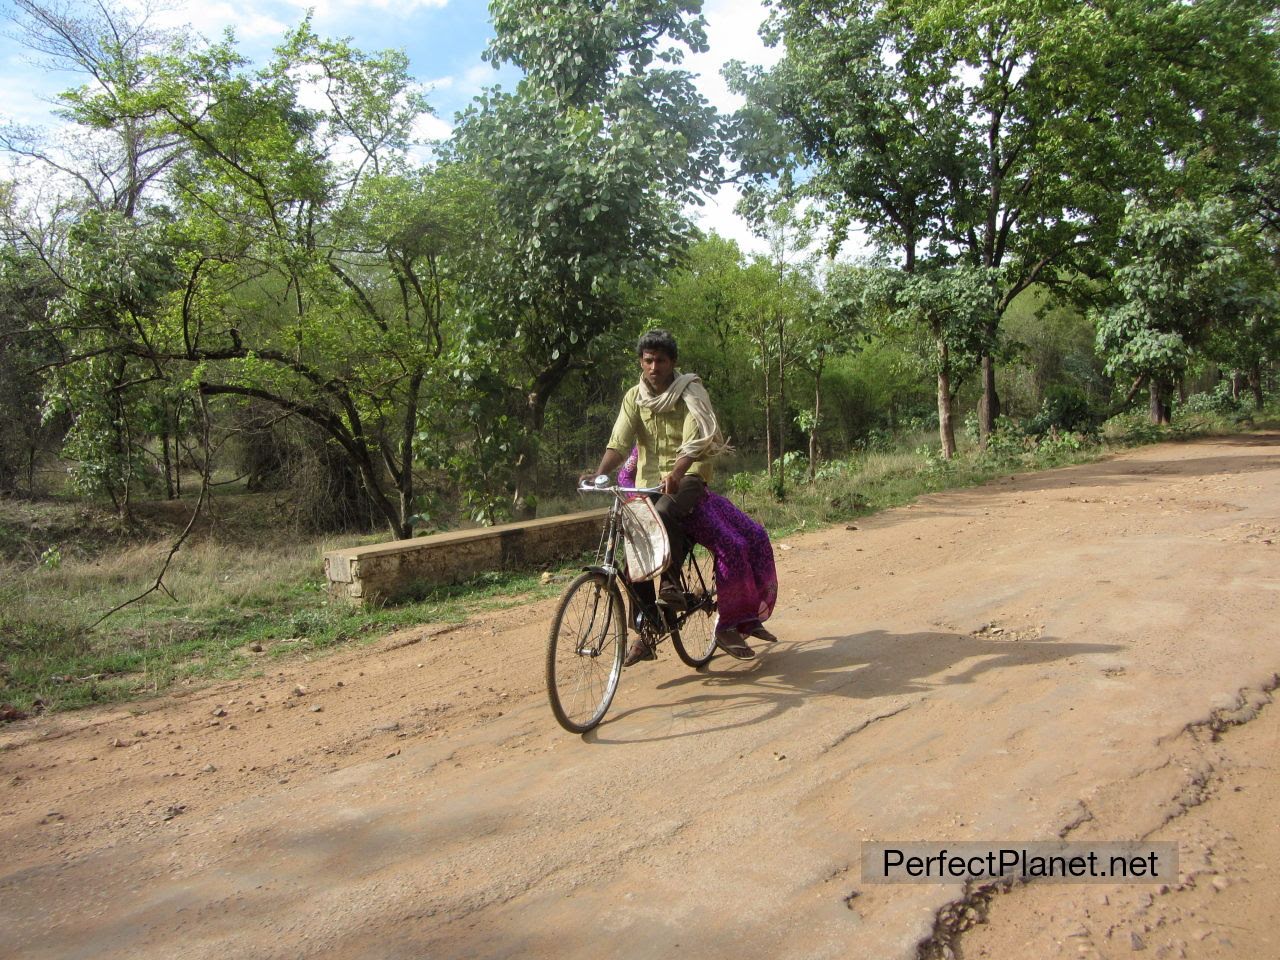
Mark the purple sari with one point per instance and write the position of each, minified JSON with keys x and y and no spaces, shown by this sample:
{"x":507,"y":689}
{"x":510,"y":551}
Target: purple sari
{"x":746,"y":579}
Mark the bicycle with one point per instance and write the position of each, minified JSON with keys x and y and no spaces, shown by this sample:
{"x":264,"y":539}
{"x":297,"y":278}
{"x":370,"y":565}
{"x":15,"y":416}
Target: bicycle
{"x":588,"y":635}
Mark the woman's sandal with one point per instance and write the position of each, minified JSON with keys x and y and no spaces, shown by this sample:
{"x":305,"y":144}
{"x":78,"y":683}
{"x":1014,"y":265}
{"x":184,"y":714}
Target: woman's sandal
{"x":731,"y":642}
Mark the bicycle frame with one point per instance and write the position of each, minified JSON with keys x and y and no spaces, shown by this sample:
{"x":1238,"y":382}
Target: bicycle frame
{"x":608,"y":564}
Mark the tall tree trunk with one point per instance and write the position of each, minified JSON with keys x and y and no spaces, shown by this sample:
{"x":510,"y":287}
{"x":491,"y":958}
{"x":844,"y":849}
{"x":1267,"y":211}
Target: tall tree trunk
{"x":946,"y":429}
{"x":1159,"y":404}
{"x":989,"y":405}
{"x":768,"y":422}
{"x":817,"y":416}
{"x":1255,"y":381}
{"x":177,"y":449}
{"x":523,"y":504}
{"x":167,"y":462}
{"x":780,"y":481}
{"x":405,"y":478}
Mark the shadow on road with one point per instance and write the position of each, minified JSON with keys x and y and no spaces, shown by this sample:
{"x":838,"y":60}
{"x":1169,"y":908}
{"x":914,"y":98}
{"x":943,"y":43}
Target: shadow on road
{"x":865,"y":666}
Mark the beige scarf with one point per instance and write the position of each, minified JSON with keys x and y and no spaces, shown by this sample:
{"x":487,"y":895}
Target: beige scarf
{"x":709,"y":442}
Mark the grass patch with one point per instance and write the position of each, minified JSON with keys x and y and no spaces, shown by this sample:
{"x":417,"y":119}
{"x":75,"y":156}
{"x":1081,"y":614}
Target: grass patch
{"x":237,"y":608}
{"x":870,"y":482}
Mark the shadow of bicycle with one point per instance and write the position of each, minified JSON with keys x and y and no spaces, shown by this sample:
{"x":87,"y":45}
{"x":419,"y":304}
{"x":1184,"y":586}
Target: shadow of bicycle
{"x":867,"y":666}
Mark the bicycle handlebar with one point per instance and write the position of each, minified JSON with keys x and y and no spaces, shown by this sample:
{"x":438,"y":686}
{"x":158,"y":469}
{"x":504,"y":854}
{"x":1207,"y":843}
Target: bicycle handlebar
{"x":592,"y":488}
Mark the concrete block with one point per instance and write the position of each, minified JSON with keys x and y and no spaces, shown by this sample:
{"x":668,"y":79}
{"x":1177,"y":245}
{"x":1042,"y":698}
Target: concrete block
{"x":386,"y":572}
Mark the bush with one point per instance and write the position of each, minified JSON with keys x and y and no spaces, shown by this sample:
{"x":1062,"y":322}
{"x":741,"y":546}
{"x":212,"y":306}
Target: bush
{"x":1218,"y":400}
{"x":1134,"y":427}
{"x":794,"y":466}
{"x":1064,"y":409}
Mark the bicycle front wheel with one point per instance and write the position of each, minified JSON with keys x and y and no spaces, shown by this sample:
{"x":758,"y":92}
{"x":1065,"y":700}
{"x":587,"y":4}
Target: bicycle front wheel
{"x":584,"y":652}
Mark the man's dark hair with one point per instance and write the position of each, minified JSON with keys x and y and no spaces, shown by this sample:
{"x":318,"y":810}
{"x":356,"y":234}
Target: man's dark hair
{"x":658,"y":340}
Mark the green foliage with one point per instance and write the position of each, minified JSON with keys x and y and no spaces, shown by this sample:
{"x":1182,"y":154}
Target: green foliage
{"x":1218,"y":400}
{"x":25,"y":292}
{"x":1194,"y":277}
{"x":978,"y":133}
{"x":118,"y":273}
{"x":1132,"y":429}
{"x":1181,"y":277}
{"x":591,"y":159}
{"x":1049,"y":343}
{"x":1065,"y":409}
{"x":311,"y":268}
{"x":794,"y":466}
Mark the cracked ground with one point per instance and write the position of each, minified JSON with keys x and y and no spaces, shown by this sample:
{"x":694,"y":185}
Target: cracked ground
{"x":1084,"y":652}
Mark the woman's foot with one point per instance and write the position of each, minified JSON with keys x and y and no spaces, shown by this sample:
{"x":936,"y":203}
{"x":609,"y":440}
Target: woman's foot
{"x":761,"y":632}
{"x":731,"y":642}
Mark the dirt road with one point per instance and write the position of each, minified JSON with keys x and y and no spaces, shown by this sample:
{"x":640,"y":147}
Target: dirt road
{"x":1048,"y":656}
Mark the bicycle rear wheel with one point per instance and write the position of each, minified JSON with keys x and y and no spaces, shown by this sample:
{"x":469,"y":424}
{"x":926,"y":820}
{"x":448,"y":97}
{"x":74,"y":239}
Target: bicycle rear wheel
{"x":694,"y":636}
{"x":584,"y":652}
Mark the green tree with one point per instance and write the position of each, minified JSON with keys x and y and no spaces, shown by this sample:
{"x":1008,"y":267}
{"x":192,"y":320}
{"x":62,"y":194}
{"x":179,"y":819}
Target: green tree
{"x":25,"y":293}
{"x":320,"y":268}
{"x":697,"y":302}
{"x":1186,"y":274}
{"x":117,"y":275}
{"x":101,"y":180}
{"x":300,"y":260}
{"x":593,"y":157}
{"x":120,"y":150}
{"x":949,"y":307}
{"x":980,"y":132}
{"x":833,"y":327}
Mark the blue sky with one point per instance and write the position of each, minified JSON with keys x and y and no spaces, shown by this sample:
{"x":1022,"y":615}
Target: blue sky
{"x":444,"y":40}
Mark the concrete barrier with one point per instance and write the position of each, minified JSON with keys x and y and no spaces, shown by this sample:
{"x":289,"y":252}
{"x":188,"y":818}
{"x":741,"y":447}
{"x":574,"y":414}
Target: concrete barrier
{"x":386,"y":572}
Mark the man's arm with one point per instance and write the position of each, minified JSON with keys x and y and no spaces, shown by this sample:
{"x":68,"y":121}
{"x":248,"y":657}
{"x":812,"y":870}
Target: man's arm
{"x":671,"y":482}
{"x":610,"y":462}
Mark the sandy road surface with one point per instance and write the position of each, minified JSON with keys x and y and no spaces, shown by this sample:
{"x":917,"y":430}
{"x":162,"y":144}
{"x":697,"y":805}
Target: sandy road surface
{"x":1023,"y":661}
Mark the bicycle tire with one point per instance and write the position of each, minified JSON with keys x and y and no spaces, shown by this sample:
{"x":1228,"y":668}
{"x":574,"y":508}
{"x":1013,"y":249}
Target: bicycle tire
{"x":694,"y":636}
{"x":584,"y":652}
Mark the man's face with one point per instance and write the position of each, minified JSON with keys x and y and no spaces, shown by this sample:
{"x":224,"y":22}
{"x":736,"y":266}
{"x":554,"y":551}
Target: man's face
{"x":658,"y":369}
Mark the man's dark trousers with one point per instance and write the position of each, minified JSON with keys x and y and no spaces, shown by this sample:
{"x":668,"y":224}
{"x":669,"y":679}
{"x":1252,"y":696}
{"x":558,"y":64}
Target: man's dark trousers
{"x":673,"y":509}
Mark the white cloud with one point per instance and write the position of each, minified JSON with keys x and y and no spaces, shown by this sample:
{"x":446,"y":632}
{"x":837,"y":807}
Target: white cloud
{"x":430,"y":127}
{"x":717,"y":216}
{"x":209,"y":20}
{"x":336,"y":9}
{"x":25,"y":105}
{"x":268,"y":19}
{"x":732,"y":34}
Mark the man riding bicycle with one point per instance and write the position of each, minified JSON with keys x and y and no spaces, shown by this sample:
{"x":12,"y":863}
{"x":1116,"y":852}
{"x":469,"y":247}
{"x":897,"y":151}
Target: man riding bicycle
{"x":668,"y":417}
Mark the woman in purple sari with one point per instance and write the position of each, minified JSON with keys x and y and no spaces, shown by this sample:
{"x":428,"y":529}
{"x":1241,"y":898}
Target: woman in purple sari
{"x":746,"y":579}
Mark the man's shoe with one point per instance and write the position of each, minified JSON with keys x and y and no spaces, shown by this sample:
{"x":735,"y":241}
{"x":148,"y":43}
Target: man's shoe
{"x":640,"y":650}
{"x":671,"y":597}
{"x":763,"y":633}
{"x":731,"y":642}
